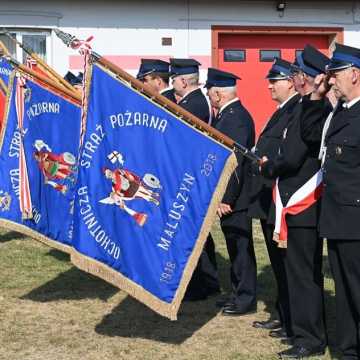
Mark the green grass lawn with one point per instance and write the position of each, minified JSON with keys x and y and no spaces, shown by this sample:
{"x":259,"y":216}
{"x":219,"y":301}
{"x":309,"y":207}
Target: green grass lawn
{"x":51,"y":310}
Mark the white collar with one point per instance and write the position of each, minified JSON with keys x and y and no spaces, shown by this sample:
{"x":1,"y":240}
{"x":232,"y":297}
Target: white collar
{"x":166,"y":89}
{"x":287,"y":100}
{"x":228,"y":103}
{"x":187,"y":94}
{"x":348,"y":105}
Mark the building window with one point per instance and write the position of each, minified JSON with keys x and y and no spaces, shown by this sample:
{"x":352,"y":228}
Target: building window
{"x":34,"y":39}
{"x":8,"y":43}
{"x":234,"y":55}
{"x":298,"y":52}
{"x":37,"y":42}
{"x":269,"y":55}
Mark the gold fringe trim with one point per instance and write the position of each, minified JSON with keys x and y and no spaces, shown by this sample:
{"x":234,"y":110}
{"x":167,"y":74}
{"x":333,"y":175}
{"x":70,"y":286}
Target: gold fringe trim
{"x":209,"y":220}
{"x":115,"y":278}
{"x":3,"y":87}
{"x":110,"y":275}
{"x":163,"y":308}
{"x":13,"y":226}
{"x":88,"y":81}
{"x":282,"y":244}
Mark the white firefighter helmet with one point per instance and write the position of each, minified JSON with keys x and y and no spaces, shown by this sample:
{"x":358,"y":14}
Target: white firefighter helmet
{"x":152,"y":181}
{"x":69,"y":158}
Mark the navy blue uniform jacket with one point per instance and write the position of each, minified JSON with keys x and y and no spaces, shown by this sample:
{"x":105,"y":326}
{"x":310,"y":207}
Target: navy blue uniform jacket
{"x":236,"y":122}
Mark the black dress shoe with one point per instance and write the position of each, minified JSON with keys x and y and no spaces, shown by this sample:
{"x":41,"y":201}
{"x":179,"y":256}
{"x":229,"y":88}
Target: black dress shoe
{"x":224,"y":302}
{"x":268,"y":324}
{"x":278,"y":334}
{"x":300,"y":352}
{"x":236,"y":310}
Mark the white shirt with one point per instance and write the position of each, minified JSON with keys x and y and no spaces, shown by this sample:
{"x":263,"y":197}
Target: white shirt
{"x":323,"y":148}
{"x":228,"y":103}
{"x":189,"y":92}
{"x":166,"y":89}
{"x":349,"y":104}
{"x":286,"y":101}
{"x":207,"y":100}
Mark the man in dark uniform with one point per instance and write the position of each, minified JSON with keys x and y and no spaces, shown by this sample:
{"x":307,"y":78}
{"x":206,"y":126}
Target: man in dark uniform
{"x":295,"y":216}
{"x":155,"y":73}
{"x":340,"y":210}
{"x":283,"y":92}
{"x":185,"y":80}
{"x":235,"y":121}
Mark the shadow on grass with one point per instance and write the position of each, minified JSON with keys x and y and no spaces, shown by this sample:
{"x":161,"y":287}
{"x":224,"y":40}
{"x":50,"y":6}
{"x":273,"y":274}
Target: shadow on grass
{"x":59,"y":255}
{"x":72,"y":284}
{"x":267,"y":289}
{"x":132,"y":319}
{"x":11,"y":235}
{"x":267,"y":292}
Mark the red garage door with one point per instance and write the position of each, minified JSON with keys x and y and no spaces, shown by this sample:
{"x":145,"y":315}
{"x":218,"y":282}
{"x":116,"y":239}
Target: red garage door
{"x":250,"y":57}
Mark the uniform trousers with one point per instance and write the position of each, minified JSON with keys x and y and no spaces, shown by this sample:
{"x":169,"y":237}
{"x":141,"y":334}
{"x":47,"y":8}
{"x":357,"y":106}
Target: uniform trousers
{"x":344,"y":257}
{"x":237,"y":230}
{"x":303,"y":265}
{"x":205,"y":280}
{"x":276,"y":256}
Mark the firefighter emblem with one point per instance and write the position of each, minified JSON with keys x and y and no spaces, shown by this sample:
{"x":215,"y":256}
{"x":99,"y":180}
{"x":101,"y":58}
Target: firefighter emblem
{"x":5,"y":201}
{"x":59,"y":170}
{"x":126,"y":186}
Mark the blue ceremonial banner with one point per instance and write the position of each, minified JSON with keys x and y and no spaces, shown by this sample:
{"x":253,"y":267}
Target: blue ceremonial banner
{"x":5,"y":70}
{"x":41,"y":161}
{"x":148,"y":189}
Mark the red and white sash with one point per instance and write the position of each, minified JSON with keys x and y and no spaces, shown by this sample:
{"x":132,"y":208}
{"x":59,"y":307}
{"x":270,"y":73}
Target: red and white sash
{"x":302,"y":199}
{"x":25,"y":196}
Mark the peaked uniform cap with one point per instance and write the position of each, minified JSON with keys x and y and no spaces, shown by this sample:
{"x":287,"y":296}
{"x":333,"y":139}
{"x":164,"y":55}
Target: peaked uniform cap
{"x":315,"y":59}
{"x":343,"y":57}
{"x":280,"y":70}
{"x":149,"y":66}
{"x":220,"y":78}
{"x":183,"y":66}
{"x":311,"y":61}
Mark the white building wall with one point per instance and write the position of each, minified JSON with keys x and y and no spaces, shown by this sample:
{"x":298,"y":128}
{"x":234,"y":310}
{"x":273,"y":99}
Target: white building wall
{"x":128,"y":30}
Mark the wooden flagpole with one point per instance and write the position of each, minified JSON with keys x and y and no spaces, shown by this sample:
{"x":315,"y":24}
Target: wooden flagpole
{"x":165,"y":102}
{"x":74,"y":96}
{"x":71,"y":41}
{"x":100,"y":269}
{"x":176,"y":109}
{"x":42,"y":64}
{"x":4,"y":49}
